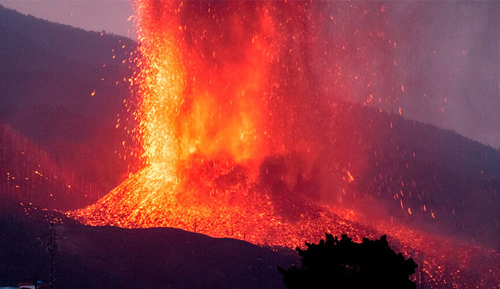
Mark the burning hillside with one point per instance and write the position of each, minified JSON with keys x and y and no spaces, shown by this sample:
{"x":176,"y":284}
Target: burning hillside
{"x":236,"y":122}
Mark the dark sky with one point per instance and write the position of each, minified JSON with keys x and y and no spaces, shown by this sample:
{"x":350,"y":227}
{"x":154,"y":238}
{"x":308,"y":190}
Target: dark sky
{"x":452,"y":55}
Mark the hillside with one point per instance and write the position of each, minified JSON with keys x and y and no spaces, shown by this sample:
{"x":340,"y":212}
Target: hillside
{"x":29,"y":174}
{"x":66,"y":41}
{"x":62,"y":88}
{"x":432,"y":178}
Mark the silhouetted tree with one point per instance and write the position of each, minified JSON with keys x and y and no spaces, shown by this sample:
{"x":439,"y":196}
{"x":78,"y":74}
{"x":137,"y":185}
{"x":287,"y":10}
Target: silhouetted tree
{"x":343,"y":263}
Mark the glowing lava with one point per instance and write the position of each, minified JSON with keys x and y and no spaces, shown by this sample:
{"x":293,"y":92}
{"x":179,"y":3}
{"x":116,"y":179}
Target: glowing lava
{"x":234,"y":133}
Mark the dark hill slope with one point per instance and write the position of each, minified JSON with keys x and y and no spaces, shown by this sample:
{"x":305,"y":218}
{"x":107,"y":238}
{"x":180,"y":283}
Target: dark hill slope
{"x":425,"y":176}
{"x":69,"y":42}
{"x":29,"y":175}
{"x":48,"y":76}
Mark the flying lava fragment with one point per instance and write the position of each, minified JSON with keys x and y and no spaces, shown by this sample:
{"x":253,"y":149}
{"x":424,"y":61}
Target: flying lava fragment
{"x":233,"y":102}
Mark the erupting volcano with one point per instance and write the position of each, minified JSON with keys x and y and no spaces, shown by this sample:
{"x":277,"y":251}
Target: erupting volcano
{"x":236,"y":114}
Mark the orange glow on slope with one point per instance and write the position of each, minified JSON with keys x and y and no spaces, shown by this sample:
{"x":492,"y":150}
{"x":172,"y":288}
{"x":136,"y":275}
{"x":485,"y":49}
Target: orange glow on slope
{"x":231,"y":123}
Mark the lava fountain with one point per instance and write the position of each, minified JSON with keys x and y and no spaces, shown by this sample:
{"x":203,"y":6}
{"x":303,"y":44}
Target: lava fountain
{"x":233,"y":107}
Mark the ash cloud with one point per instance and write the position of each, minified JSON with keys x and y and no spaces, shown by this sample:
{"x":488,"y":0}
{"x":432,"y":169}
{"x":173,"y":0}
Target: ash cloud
{"x":434,"y":62}
{"x":451,"y":62}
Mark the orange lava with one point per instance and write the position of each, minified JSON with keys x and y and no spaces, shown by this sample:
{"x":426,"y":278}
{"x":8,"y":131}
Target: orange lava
{"x":226,"y":102}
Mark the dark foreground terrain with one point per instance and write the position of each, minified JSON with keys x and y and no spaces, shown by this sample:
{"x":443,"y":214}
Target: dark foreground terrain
{"x":109,"y":257}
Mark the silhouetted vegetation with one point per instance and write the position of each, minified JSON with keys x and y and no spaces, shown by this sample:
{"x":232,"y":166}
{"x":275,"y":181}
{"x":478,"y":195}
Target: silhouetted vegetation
{"x":343,"y":263}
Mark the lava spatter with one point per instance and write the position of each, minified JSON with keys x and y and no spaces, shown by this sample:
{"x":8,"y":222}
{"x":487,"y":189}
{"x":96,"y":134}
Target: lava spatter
{"x":233,"y":106}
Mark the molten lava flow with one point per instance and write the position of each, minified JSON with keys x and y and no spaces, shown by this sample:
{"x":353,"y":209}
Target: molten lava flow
{"x":235,"y":133}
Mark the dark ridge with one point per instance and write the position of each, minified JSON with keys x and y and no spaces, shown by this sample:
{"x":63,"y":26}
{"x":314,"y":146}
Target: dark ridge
{"x":70,"y":42}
